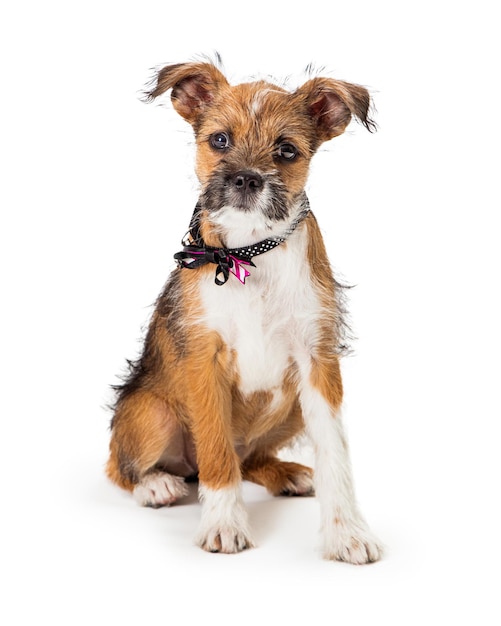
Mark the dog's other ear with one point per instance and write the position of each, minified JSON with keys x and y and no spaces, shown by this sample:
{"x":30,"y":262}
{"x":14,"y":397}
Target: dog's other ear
{"x":193,"y":87}
{"x":332,"y":103}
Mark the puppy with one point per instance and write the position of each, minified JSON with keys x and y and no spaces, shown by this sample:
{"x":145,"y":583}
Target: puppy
{"x":242,"y":351}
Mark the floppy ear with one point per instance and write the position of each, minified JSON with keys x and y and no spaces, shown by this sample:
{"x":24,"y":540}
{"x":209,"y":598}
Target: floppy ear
{"x":332,"y":103}
{"x":194,"y":86}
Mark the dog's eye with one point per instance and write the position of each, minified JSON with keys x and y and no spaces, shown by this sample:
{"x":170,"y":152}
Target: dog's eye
{"x":287,"y":151}
{"x":220,"y":141}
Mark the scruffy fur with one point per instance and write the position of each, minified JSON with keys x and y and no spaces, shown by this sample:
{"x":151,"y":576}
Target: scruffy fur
{"x":231,"y":373}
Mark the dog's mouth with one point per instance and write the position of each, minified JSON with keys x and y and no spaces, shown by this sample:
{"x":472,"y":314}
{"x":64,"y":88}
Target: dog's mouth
{"x":246,"y":191}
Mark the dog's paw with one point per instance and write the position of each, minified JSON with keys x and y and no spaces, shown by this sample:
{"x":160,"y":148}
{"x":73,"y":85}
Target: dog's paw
{"x":226,"y":539}
{"x":299,"y":483}
{"x":224,"y":526}
{"x":351,"y":542}
{"x":159,"y":489}
{"x":281,"y":478}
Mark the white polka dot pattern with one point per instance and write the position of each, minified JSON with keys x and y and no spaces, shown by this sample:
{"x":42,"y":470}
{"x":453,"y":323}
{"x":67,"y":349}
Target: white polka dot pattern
{"x":268,"y":244}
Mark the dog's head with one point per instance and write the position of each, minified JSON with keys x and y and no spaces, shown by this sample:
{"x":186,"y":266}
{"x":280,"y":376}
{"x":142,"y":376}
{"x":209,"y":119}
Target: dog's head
{"x":255,"y":140}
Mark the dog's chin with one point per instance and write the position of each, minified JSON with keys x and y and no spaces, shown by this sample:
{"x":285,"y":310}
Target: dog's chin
{"x":246,"y":203}
{"x":240,"y":227}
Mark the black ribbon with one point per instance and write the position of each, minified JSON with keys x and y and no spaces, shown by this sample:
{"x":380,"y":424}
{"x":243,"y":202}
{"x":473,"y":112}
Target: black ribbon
{"x":192,"y":256}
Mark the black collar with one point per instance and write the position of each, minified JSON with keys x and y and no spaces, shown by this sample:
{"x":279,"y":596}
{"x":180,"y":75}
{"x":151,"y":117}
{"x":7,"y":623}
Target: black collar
{"x":196,"y":253}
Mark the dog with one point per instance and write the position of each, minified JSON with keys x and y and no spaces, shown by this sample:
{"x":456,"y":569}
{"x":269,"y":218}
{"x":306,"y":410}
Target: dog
{"x":243,"y":347}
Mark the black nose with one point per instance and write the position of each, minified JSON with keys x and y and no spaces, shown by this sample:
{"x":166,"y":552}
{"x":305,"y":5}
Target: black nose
{"x":247,"y":181}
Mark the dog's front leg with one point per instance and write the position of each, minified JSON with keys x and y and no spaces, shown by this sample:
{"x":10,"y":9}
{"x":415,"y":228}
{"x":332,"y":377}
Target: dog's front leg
{"x":346,"y":536}
{"x":224,"y":525}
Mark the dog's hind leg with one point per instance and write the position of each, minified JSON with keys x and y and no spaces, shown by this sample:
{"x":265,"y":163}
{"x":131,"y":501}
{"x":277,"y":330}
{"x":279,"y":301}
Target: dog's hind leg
{"x":144,"y":435}
{"x":281,"y":478}
{"x":261,"y":465}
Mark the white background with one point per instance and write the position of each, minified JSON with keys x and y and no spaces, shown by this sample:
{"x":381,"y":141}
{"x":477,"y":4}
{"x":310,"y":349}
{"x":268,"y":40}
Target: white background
{"x":97,"y":190}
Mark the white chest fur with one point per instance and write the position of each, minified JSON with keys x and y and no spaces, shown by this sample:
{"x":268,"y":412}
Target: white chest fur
{"x":270,"y":321}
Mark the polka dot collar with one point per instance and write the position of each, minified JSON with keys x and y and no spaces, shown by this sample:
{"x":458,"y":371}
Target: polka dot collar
{"x":196,"y":253}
